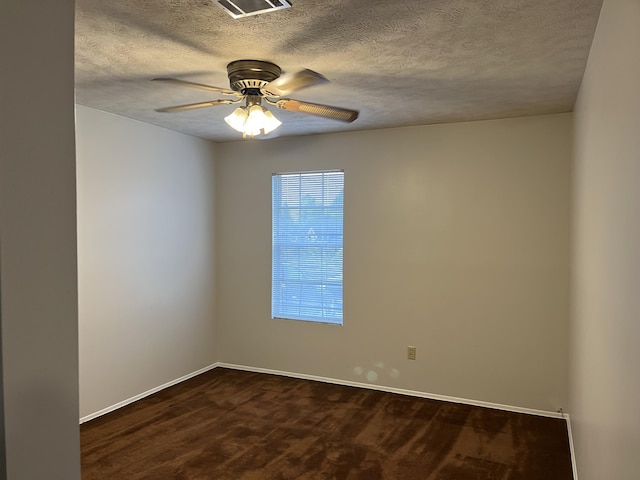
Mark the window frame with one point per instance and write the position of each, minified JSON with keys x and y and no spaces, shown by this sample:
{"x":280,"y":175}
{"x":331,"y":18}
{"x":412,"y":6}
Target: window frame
{"x":331,"y":293}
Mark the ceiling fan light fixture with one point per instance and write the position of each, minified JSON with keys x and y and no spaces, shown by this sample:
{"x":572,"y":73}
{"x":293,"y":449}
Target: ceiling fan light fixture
{"x":254,"y":81}
{"x":252,"y":121}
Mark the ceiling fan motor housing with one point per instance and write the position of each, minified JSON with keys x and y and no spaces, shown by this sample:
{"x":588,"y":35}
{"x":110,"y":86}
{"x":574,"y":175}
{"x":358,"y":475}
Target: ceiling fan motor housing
{"x":249,"y":76}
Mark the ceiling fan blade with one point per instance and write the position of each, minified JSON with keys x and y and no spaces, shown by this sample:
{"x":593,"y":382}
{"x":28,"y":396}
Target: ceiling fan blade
{"x":193,"y":106}
{"x":201,"y":86}
{"x":288,"y":83}
{"x":336,"y":113}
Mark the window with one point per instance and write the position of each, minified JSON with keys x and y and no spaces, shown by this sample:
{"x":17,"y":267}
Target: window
{"x":306,"y":268}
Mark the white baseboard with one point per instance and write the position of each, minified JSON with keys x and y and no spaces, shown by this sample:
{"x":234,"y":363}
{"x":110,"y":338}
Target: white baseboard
{"x":383,"y":388}
{"x":140,"y":396}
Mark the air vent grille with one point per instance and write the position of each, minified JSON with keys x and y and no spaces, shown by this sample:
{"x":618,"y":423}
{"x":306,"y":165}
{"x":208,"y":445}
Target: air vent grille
{"x":246,"y":8}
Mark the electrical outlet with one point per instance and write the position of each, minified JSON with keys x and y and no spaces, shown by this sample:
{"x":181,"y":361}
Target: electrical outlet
{"x":411,"y":353}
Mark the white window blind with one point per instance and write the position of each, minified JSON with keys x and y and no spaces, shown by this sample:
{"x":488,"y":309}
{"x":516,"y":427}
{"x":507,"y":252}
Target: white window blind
{"x":306,"y":280}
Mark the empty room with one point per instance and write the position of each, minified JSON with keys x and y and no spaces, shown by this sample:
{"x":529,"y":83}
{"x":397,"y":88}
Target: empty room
{"x":320,"y":240}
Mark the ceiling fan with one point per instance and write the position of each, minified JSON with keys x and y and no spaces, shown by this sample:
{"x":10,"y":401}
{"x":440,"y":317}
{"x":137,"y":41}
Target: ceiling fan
{"x":253,"y":81}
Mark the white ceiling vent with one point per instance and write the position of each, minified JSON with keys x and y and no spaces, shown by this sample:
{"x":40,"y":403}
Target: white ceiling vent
{"x":245,"y":8}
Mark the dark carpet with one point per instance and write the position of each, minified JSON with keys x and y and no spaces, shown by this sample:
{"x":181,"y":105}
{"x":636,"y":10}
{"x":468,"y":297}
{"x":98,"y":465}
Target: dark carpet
{"x":233,"y":425}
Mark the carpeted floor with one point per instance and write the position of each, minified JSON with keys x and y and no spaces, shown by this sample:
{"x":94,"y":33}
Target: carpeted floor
{"x":234,"y":425}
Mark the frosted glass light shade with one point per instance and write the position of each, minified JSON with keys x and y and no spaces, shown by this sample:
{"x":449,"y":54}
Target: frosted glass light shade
{"x":252,"y":121}
{"x":237,"y":119}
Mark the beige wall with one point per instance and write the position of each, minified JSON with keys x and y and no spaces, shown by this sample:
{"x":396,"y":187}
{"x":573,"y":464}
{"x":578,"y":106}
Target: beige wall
{"x":145,"y":257}
{"x":38,"y":241}
{"x":456,"y":241}
{"x":605,"y":372}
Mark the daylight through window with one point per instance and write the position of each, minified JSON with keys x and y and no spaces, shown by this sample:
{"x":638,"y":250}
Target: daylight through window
{"x":307,"y":246}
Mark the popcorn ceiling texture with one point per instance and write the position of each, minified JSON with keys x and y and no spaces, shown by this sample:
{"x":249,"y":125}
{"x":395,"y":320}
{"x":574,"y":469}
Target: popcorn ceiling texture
{"x":400,"y":62}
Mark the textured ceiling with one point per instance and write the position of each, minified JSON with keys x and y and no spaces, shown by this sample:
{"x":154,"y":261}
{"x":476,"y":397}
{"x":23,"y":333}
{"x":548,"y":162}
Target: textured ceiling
{"x":400,"y":62}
